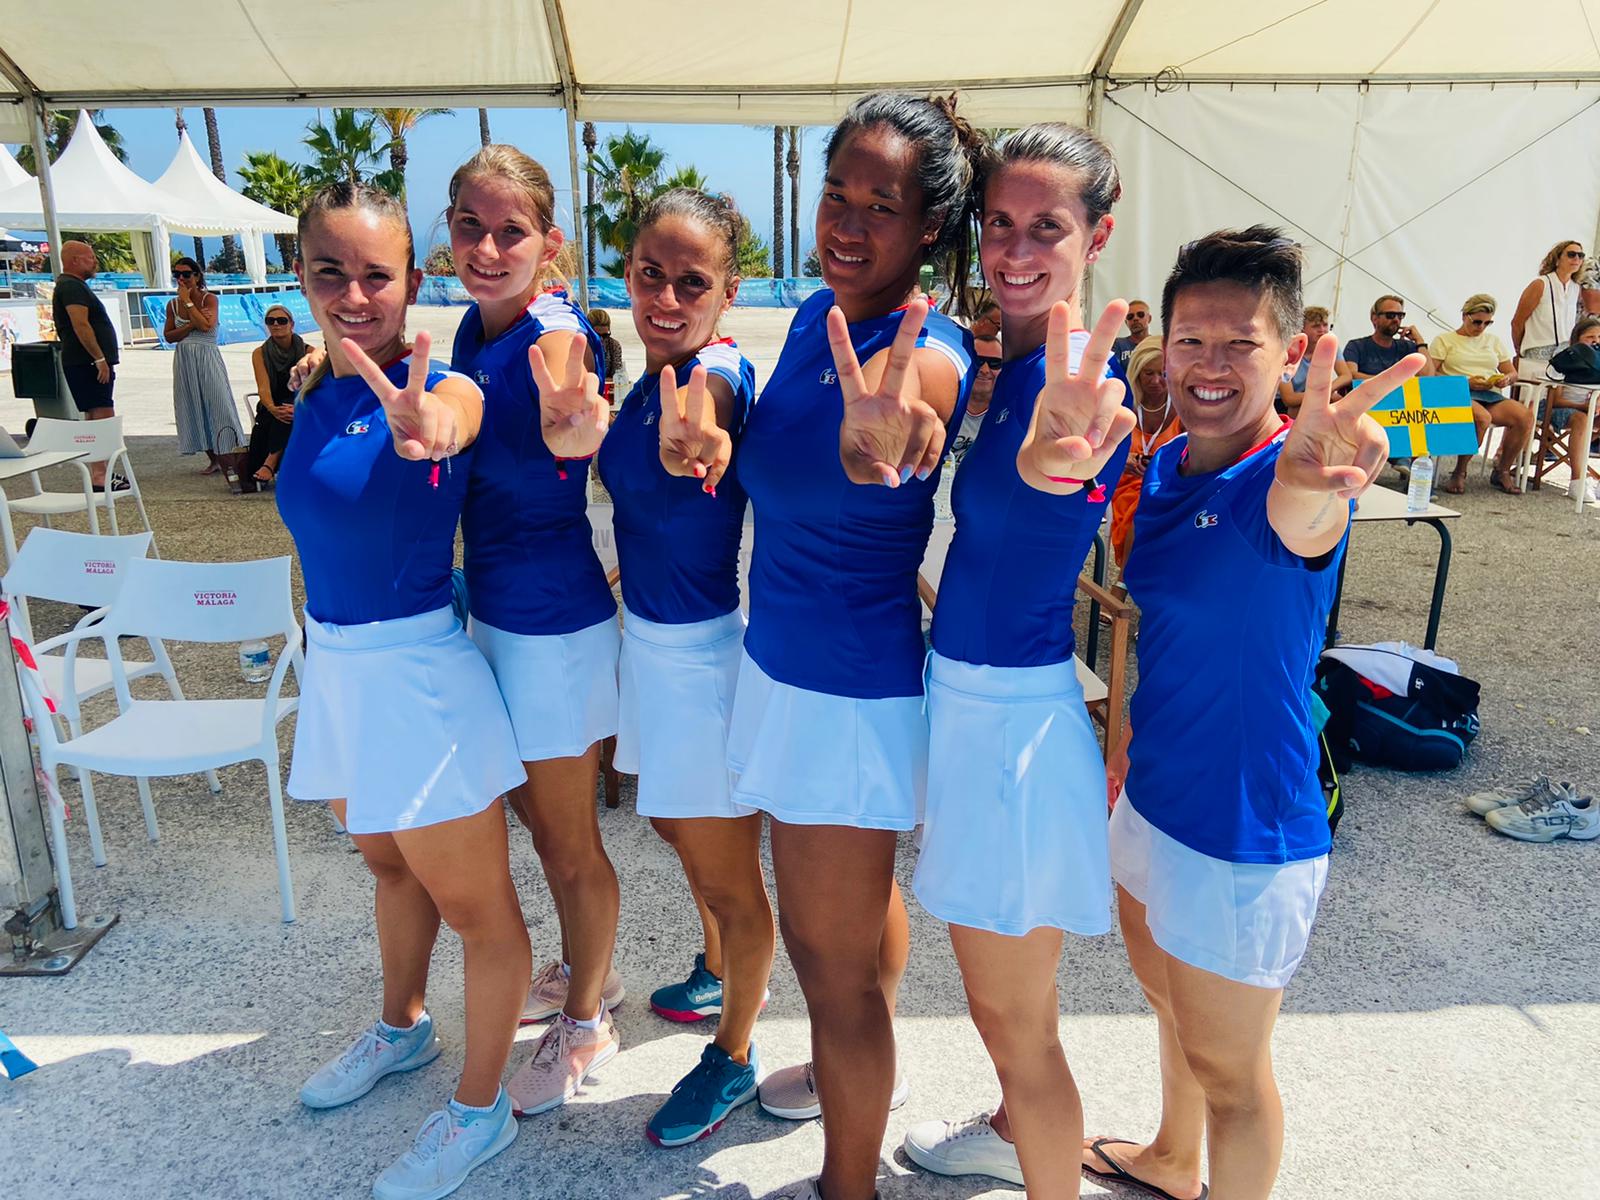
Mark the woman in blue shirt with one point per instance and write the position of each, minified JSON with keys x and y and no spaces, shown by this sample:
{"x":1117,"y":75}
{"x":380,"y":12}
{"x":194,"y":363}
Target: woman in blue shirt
{"x":1219,"y":842}
{"x":828,"y":733}
{"x":679,"y":512}
{"x":400,"y":724}
{"x":1014,"y":845}
{"x":542,"y":611}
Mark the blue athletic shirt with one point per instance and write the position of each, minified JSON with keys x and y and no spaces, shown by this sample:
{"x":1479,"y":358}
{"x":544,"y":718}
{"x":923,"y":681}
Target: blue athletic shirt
{"x":833,"y":577}
{"x":677,"y":546}
{"x":530,"y":561}
{"x":376,"y":532}
{"x":1224,"y":752}
{"x":1006,"y":596}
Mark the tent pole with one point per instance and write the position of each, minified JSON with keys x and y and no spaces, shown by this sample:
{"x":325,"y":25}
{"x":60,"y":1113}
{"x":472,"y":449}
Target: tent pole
{"x":1103,"y":63}
{"x":584,"y":268}
{"x":47,"y":192}
{"x":556,"y":23}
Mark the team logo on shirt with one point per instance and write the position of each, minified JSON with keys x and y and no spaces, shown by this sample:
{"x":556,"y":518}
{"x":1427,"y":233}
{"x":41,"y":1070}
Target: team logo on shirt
{"x":1001,"y":418}
{"x":828,"y":376}
{"x":650,"y":418}
{"x":359,"y":425}
{"x":1205,"y":520}
{"x":482,"y":377}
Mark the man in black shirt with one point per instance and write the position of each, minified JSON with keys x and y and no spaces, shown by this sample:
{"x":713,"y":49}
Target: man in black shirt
{"x":88,"y":341}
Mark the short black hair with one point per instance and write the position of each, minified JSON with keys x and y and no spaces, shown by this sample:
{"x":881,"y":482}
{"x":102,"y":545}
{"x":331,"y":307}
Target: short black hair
{"x":1263,"y":259}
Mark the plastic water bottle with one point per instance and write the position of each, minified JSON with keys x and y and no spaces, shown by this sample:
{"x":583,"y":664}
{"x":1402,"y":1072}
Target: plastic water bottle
{"x":1420,"y":492}
{"x":255,"y":662}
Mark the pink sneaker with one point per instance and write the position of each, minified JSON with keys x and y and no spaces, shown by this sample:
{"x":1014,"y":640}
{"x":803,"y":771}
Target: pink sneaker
{"x":547,"y":994}
{"x":566,"y":1056}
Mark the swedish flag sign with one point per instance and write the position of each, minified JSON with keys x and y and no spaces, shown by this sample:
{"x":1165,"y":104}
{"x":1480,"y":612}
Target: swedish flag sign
{"x":1431,"y":415}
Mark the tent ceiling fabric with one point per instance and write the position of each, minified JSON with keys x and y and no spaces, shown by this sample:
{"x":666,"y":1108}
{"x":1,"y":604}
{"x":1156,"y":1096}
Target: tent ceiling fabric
{"x":762,"y":60}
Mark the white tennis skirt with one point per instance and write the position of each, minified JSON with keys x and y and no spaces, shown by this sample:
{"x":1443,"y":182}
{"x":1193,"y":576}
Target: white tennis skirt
{"x":677,"y":699}
{"x":1248,"y":922}
{"x":560,"y":689}
{"x":810,"y":758}
{"x":1014,"y":837}
{"x":402,"y":720}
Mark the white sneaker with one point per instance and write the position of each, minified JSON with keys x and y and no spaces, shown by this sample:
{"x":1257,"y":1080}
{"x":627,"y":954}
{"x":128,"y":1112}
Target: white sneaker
{"x":805,"y":1190}
{"x":1586,"y":487}
{"x":1546,"y":818}
{"x":969,"y":1147}
{"x":1484,"y":803}
{"x":374,"y":1054}
{"x":791,"y":1093}
{"x":445,"y":1151}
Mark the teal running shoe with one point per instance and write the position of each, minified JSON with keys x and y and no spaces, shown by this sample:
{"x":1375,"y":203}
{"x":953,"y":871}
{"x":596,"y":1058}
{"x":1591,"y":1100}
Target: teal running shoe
{"x":703,"y":1098}
{"x":695,"y":999}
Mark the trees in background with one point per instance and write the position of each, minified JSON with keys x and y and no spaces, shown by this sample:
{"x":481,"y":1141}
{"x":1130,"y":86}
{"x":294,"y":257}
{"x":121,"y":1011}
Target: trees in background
{"x":399,"y":122}
{"x":272,"y":180}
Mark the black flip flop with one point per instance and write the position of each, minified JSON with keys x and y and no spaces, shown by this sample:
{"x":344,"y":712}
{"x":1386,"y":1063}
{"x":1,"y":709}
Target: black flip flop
{"x":1118,"y":1175}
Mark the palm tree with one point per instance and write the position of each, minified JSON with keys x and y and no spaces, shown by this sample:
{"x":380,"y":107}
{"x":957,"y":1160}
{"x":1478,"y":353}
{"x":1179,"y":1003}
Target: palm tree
{"x":59,"y":124}
{"x":348,"y":149}
{"x":232,"y":259}
{"x":777,"y":200}
{"x":753,"y":258}
{"x":687,"y":177}
{"x":629,"y":168}
{"x":483,"y":126}
{"x":590,"y":141}
{"x":793,"y":163}
{"x":281,"y":185}
{"x":399,"y":122}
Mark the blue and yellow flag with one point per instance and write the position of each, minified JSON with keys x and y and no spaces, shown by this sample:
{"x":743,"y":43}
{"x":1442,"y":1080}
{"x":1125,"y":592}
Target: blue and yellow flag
{"x":1430,"y":415}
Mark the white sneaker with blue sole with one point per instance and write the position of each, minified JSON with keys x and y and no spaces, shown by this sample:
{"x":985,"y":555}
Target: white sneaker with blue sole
{"x":447,"y":1149}
{"x":376,"y":1052}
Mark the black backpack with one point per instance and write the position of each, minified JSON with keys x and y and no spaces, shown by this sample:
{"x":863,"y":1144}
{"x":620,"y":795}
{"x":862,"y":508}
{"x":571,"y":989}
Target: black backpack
{"x":1427,"y":729}
{"x":1578,"y":364}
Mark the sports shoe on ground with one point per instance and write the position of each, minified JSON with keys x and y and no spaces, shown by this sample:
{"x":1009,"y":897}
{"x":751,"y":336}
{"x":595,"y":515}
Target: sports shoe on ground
{"x":969,"y":1147}
{"x":1586,"y":487}
{"x":547,"y":993}
{"x":376,"y":1052}
{"x":566,"y":1056}
{"x":791,"y":1093}
{"x":1484,"y":803}
{"x":695,"y":999}
{"x":1546,"y":818}
{"x":703,"y":1098}
{"x":805,"y":1190}
{"x":446,"y":1149}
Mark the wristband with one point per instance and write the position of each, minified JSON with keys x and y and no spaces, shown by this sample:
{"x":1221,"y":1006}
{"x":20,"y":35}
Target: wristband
{"x":98,"y":361}
{"x":561,"y":464}
{"x":1096,"y":489}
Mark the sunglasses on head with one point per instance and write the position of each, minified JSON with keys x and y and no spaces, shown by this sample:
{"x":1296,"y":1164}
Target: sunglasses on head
{"x":183,"y":274}
{"x":984,"y":360}
{"x":277,"y":320}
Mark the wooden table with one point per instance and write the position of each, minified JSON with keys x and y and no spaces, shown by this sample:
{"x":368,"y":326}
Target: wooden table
{"x":1386,"y":505}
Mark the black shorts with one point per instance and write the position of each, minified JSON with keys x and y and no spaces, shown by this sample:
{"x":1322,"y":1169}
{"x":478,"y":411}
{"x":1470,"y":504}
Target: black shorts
{"x":88,"y":393}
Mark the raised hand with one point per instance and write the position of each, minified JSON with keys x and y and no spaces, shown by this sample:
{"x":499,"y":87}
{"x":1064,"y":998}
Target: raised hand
{"x":423,"y":426}
{"x":1334,"y":447}
{"x":1079,"y":417}
{"x":301,"y":371}
{"x":885,"y":435}
{"x":692,"y":443}
{"x":573,"y":415}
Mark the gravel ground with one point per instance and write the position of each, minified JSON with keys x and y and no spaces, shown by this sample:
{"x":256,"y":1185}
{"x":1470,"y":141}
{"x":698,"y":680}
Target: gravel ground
{"x":1437,"y":1042}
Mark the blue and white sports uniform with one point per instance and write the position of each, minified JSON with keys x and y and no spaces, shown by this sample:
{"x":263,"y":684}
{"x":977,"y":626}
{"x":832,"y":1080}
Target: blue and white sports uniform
{"x":828,"y":726}
{"x":1015,"y":832}
{"x":1222,"y":831}
{"x":542,"y":612}
{"x":398,"y":712}
{"x":678,"y":551}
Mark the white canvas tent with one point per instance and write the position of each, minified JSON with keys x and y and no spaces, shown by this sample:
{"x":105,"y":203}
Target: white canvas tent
{"x":1429,"y":148}
{"x":199,"y":191}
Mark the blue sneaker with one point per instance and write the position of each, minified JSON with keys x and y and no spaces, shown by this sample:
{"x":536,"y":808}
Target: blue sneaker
{"x":703,"y":1098}
{"x":695,"y":999}
{"x":375,"y":1053}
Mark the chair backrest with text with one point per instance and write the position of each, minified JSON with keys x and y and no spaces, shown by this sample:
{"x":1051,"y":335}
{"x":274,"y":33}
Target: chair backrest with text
{"x":99,"y":439}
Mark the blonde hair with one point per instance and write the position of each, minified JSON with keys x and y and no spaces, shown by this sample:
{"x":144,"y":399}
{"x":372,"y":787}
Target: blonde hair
{"x":1479,"y":302}
{"x":1143,"y":353}
{"x":1554,"y":256}
{"x":1316,"y":313}
{"x":507,"y":164}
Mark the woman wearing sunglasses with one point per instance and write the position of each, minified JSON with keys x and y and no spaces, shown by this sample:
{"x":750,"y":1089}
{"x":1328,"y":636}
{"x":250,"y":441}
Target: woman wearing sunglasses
{"x":202,"y":398}
{"x":1472,"y":350}
{"x":272,"y":362}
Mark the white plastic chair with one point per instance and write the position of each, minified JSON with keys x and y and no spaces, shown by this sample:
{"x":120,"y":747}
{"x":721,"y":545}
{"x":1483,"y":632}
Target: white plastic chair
{"x":83,"y":569}
{"x":193,"y":602}
{"x":103,"y":442}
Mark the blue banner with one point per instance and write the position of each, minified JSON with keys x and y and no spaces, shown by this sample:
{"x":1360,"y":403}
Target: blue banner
{"x":238,"y":316}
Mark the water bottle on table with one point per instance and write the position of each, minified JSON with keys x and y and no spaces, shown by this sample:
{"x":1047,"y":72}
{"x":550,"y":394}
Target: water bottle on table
{"x":1419,"y":493}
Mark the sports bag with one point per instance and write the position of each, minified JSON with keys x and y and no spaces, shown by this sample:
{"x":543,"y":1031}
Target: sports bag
{"x":1393,"y":705}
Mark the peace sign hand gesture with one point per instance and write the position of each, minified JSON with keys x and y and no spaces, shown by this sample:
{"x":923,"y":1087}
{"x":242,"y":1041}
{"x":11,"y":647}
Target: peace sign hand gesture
{"x":1334,"y":447}
{"x":885,"y":434}
{"x":423,"y":425}
{"x":692,"y":443}
{"x":1079,"y":417}
{"x":572,"y":414}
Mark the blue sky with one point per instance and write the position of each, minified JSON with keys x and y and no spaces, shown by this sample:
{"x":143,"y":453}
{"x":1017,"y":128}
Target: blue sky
{"x":736,"y":158}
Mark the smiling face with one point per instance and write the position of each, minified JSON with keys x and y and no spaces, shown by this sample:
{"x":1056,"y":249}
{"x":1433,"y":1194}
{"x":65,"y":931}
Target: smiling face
{"x":679,"y":285}
{"x":1036,"y":237}
{"x":500,"y":244}
{"x":871,"y":230}
{"x":353,"y":270}
{"x":1224,"y":358}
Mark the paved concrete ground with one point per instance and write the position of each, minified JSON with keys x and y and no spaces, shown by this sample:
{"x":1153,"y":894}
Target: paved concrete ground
{"x":1438,"y":1042}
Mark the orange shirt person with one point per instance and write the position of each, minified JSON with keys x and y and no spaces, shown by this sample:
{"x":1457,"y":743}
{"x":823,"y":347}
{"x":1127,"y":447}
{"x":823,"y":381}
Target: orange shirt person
{"x":1156,"y":424}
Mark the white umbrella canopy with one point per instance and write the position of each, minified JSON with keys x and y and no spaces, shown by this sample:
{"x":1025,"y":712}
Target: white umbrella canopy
{"x":190,"y":181}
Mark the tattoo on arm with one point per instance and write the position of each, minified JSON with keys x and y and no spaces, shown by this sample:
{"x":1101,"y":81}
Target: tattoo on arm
{"x":1315,"y":524}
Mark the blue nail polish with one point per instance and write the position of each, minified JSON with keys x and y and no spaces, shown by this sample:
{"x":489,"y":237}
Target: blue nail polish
{"x":905,"y":474}
{"x":923,"y":474}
